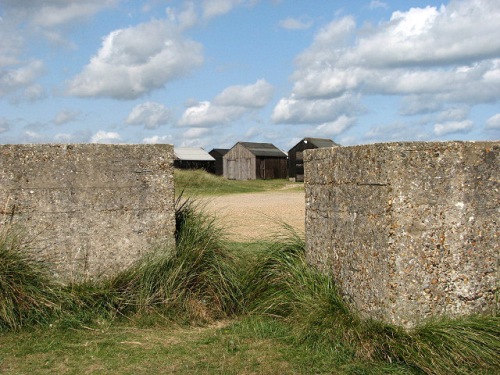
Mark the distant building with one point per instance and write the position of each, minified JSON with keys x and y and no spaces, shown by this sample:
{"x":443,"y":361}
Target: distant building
{"x":250,"y":161}
{"x":295,"y":155}
{"x":193,"y":158}
{"x":217,"y":154}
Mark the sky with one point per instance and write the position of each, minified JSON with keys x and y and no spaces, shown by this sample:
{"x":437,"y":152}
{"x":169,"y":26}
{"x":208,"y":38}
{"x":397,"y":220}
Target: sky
{"x":211,"y":73}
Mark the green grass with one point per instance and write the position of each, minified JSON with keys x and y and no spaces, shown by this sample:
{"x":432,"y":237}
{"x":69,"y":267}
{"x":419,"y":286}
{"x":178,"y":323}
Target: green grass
{"x":212,"y":306}
{"x":200,"y":183}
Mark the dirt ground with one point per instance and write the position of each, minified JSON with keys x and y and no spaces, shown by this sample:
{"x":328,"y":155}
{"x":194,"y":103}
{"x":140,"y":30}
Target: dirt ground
{"x":255,"y":216}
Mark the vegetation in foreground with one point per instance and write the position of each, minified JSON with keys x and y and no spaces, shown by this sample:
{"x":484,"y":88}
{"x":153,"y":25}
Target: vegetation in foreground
{"x":204,"y":308}
{"x":200,"y":183}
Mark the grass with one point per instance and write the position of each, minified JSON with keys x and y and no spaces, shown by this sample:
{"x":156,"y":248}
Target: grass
{"x":27,"y":293}
{"x":196,"y":279}
{"x":211,"y":306}
{"x":201,"y":183}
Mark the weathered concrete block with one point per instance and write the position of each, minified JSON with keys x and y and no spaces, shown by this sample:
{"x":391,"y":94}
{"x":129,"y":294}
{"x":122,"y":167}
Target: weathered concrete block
{"x":90,"y":210}
{"x":408,"y":230}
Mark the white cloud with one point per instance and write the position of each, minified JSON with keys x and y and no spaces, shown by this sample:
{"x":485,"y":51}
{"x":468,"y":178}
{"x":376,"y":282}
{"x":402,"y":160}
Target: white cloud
{"x":374,"y":4}
{"x":295,"y":24}
{"x":55,"y":13}
{"x":151,"y":115}
{"x":453,"y":127}
{"x":137,"y":60}
{"x":315,"y":111}
{"x":336,"y":127}
{"x":105,"y":137}
{"x":251,"y":96}
{"x":64,"y":138}
{"x":433,"y":58}
{"x":207,"y":114}
{"x":214,"y":8}
{"x":231,"y":104}
{"x":66,"y":116}
{"x":158,"y":139}
{"x":453,"y":114}
{"x":195,"y":133}
{"x":21,"y":78}
{"x":50,"y":13}
{"x":493,"y":122}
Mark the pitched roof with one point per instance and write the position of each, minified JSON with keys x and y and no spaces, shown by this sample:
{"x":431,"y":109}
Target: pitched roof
{"x":192,"y":153}
{"x":219,"y":151}
{"x":263,"y":149}
{"x":321,"y":142}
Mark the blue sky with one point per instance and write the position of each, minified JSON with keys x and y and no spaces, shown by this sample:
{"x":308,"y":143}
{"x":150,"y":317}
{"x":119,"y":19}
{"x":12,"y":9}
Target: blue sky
{"x":210,"y":73}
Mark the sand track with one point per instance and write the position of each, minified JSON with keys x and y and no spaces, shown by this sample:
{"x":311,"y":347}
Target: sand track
{"x":254,"y":216}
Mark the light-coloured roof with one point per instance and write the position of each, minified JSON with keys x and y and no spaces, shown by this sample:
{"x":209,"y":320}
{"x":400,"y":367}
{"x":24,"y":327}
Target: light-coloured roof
{"x":192,"y":153}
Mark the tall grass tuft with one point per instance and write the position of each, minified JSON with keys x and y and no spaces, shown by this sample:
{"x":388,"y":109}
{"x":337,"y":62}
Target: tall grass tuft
{"x":27,"y":293}
{"x":284,"y":286}
{"x":195,"y":279}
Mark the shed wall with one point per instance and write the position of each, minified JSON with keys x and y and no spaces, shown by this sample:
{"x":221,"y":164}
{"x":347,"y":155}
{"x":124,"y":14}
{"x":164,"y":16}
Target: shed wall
{"x":239,"y":164}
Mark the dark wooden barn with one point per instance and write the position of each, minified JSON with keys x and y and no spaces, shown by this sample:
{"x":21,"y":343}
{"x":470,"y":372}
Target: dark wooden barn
{"x":251,"y":161}
{"x":295,"y":155}
{"x":193,"y":158}
{"x":217,"y":154}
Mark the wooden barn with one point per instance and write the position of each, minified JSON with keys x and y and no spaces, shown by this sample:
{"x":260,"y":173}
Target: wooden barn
{"x":193,"y":158}
{"x":251,"y":161}
{"x":295,"y":158}
{"x":217,"y":154}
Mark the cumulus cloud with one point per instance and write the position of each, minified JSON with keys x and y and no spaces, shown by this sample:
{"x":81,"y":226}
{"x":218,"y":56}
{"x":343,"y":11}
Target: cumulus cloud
{"x":315,"y":111}
{"x":151,"y":115}
{"x":50,"y":13}
{"x":137,"y":60}
{"x":23,"y":77}
{"x":66,"y":116}
{"x":493,"y":122}
{"x":333,"y":128}
{"x":158,"y":139}
{"x":106,"y":137}
{"x":453,"y":127}
{"x":295,"y":23}
{"x":432,"y":58}
{"x":214,"y":8}
{"x":250,"y":96}
{"x":195,"y":133}
{"x":232,"y":103}
{"x":374,"y":4}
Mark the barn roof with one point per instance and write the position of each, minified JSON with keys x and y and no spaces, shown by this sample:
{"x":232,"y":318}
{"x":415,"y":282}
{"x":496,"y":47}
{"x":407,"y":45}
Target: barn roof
{"x":219,"y":151}
{"x":320,"y":142}
{"x":192,"y":153}
{"x":263,"y":149}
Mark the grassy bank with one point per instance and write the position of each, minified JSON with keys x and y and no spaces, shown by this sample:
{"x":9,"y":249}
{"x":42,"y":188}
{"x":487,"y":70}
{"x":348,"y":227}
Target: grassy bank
{"x":211,"y":306}
{"x":201,"y":183}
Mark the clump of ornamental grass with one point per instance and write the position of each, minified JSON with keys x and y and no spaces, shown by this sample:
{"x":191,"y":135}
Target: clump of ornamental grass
{"x":283,"y":285}
{"x":28,"y":295}
{"x":194,"y":280}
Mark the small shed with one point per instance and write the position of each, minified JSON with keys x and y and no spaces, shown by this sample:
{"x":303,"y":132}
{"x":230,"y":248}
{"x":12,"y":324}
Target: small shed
{"x":193,"y":158}
{"x":251,"y":161}
{"x":217,"y":154}
{"x":295,"y":155}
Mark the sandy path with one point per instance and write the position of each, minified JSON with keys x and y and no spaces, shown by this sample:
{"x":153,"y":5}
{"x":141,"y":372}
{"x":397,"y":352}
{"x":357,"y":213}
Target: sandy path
{"x":253,"y":216}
